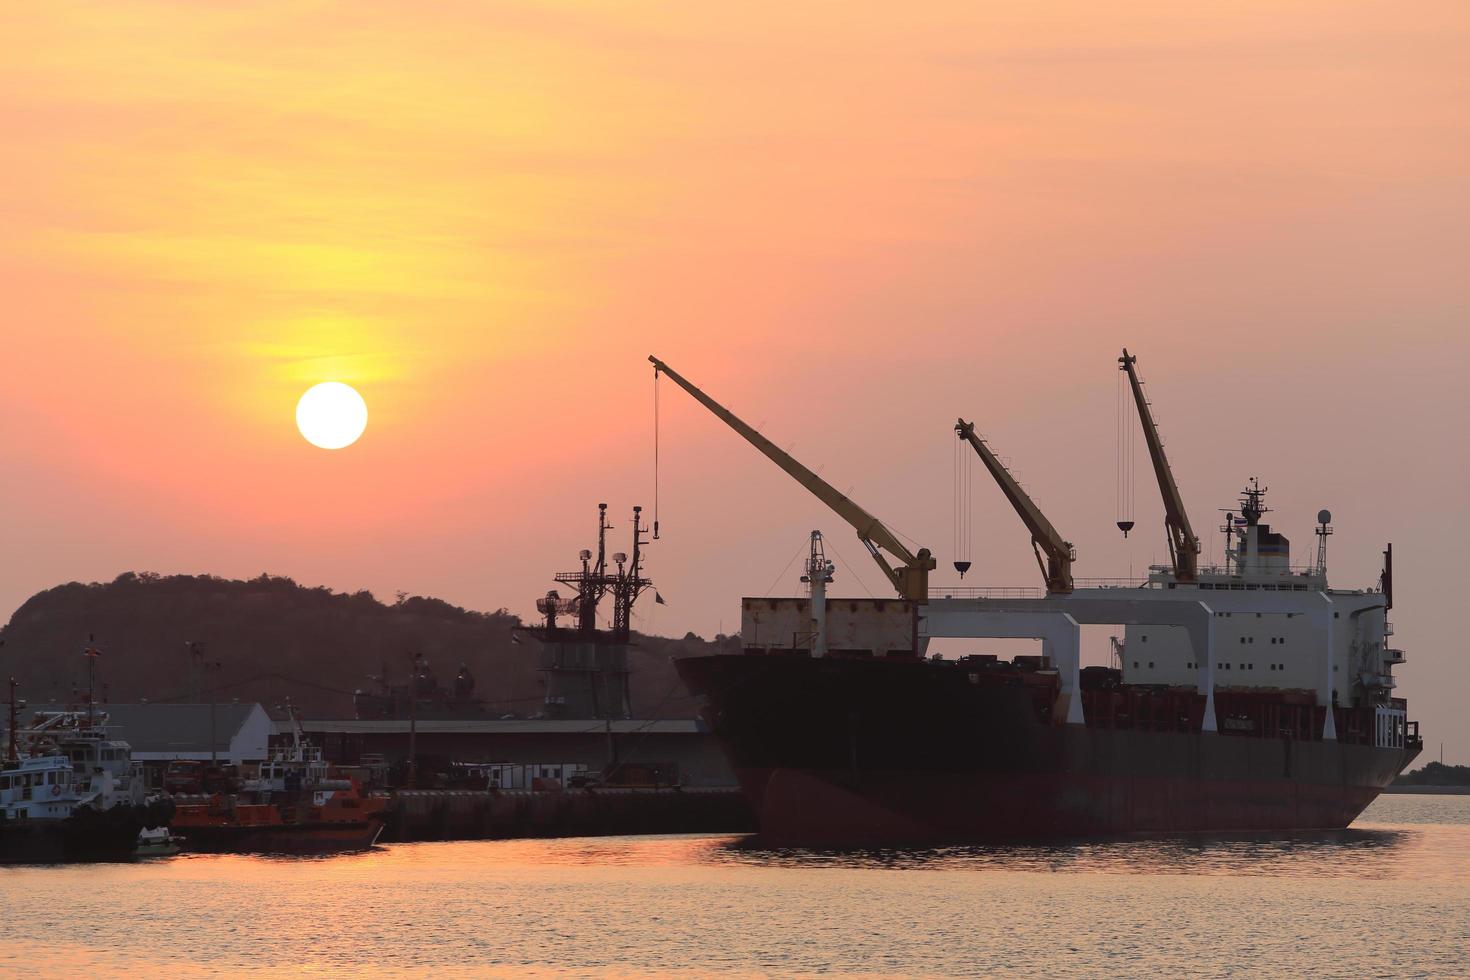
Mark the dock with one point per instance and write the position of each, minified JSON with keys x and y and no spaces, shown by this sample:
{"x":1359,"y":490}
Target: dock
{"x":437,"y":815}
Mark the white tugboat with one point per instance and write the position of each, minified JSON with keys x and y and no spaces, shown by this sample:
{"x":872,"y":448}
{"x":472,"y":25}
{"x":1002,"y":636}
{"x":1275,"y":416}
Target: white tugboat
{"x":68,"y":791}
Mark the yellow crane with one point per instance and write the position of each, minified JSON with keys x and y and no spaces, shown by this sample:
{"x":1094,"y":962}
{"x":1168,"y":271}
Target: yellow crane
{"x":1183,"y":545}
{"x":910,"y":579}
{"x":1054,"y":555}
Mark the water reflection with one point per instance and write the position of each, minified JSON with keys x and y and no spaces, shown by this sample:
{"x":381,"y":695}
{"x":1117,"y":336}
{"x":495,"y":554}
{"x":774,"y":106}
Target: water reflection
{"x":637,"y":906}
{"x":1376,"y":853}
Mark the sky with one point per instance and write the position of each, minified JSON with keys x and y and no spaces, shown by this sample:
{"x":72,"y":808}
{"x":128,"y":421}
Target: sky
{"x":850,"y":222}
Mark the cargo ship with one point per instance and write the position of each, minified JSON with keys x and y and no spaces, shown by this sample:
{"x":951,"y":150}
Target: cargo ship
{"x":1246,"y":697}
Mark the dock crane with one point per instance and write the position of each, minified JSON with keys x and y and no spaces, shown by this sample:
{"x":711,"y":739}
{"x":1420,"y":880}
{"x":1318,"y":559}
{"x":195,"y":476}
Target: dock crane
{"x":1183,"y":544}
{"x":910,"y":579}
{"x":1054,"y":555}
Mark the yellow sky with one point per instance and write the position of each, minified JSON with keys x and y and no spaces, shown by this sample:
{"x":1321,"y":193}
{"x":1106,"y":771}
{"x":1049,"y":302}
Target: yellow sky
{"x":852,"y":221}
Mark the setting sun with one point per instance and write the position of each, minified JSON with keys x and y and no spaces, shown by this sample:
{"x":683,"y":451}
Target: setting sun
{"x":331,"y":415}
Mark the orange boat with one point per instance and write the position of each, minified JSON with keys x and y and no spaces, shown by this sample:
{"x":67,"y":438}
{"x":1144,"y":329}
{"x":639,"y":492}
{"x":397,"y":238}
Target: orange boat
{"x":296,"y":806}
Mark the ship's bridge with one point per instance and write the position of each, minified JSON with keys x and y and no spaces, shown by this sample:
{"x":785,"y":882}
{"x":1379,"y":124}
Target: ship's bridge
{"x":1288,"y":578}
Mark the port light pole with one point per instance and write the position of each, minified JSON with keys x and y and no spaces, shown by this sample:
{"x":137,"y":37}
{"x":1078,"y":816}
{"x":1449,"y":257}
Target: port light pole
{"x":413,"y":699}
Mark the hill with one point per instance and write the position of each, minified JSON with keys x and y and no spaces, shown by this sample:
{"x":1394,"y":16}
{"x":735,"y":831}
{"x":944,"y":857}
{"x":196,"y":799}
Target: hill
{"x":272,"y":637}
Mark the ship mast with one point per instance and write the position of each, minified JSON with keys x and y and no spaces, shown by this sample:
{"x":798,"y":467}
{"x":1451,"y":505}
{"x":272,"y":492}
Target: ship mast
{"x":15,"y":706}
{"x":910,"y":580}
{"x":1056,"y":566}
{"x":629,"y":583}
{"x":818,"y":576}
{"x":1183,"y":545}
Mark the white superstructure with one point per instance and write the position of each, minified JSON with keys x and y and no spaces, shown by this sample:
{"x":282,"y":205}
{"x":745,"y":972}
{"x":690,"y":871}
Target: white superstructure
{"x":37,"y":789}
{"x":70,"y":762}
{"x":1268,"y":623}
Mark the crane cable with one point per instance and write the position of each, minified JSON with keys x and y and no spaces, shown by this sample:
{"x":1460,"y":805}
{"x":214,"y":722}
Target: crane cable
{"x":655,"y":451}
{"x":849,"y":566}
{"x":1126,"y":484}
{"x":962,"y":517}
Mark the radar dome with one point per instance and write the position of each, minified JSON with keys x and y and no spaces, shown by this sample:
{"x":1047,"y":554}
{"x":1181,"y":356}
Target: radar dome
{"x":1324,"y":516}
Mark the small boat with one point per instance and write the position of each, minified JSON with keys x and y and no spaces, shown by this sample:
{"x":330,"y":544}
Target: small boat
{"x":157,"y":842}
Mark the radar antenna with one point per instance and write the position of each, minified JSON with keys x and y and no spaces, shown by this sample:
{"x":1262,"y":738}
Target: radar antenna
{"x":1324,"y":528}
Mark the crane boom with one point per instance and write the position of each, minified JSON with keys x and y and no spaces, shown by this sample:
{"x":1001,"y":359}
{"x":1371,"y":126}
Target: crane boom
{"x":1056,"y":566}
{"x":1183,"y":545}
{"x":910,"y":580}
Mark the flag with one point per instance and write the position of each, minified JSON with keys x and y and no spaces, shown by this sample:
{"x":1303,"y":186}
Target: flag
{"x":659,"y":599}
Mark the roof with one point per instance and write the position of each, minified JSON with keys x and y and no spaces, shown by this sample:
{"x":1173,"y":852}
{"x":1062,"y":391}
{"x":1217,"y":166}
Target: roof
{"x":509,"y":726}
{"x":169,"y":728}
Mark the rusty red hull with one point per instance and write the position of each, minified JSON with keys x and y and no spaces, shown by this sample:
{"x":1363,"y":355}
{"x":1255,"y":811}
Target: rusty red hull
{"x":327,"y":838}
{"x":873,"y":753}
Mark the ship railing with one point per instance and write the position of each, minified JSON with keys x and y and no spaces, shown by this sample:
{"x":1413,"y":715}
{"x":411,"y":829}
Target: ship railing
{"x":986,"y":592}
{"x":1307,"y":570}
{"x":1027,"y":591}
{"x":1114,"y":582}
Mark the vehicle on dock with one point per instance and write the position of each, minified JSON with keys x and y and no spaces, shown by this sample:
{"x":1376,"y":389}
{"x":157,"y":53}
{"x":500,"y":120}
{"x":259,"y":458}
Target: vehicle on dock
{"x":192,"y":776}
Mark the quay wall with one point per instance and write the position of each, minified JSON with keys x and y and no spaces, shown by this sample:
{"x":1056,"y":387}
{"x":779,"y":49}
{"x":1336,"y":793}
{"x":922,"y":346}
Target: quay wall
{"x":427,"y":815}
{"x":591,"y":743}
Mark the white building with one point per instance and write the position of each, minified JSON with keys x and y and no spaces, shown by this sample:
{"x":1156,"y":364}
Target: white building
{"x":164,"y":732}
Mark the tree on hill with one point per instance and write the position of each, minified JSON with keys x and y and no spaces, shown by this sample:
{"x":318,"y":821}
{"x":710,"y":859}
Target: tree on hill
{"x":1435,"y":774}
{"x":272,"y":637}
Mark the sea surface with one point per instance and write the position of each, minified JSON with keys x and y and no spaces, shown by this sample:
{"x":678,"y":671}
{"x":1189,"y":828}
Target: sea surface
{"x":1389,"y":897}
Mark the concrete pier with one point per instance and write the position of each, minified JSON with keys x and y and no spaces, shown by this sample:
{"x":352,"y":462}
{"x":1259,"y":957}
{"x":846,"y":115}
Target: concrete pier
{"x":421,"y":815}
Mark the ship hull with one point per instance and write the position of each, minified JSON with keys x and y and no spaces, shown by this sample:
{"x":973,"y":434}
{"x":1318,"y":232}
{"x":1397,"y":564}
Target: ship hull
{"x":87,"y":835}
{"x":325,"y":838}
{"x":875,"y":752}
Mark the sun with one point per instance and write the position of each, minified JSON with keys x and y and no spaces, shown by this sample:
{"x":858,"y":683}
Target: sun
{"x":331,"y":415}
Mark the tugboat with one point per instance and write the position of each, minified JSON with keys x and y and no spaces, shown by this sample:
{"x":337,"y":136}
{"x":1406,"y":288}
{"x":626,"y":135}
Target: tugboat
{"x":296,"y":806}
{"x":73,"y":796}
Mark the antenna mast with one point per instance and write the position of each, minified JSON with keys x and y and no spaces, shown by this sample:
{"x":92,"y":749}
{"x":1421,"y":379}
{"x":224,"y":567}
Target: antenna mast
{"x":1324,"y":528}
{"x":91,"y":653}
{"x":630,"y":582}
{"x":15,"y":706}
{"x":818,"y":576}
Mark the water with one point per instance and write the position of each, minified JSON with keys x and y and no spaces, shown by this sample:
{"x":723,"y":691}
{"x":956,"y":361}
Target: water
{"x":1389,"y":897}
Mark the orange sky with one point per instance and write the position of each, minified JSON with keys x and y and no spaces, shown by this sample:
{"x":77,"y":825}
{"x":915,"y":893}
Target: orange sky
{"x":850,"y":221}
